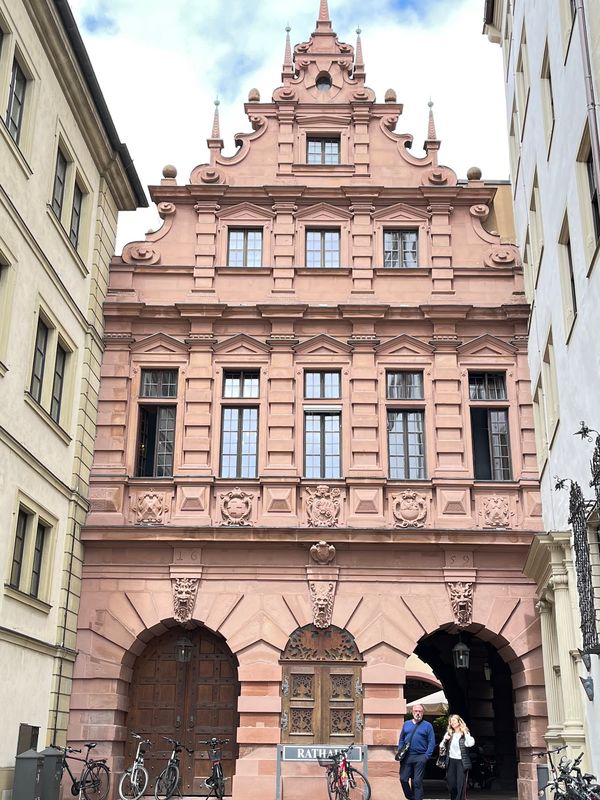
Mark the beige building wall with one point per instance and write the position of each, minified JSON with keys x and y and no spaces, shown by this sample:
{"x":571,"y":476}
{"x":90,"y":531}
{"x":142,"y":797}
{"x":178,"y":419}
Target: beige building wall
{"x":52,"y":275}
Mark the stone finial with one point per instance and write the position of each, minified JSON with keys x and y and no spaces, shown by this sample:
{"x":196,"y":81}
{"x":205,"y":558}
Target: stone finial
{"x":216,"y":128}
{"x":431,"y":134}
{"x":474,"y":174}
{"x":359,"y":62}
{"x":254,"y":96}
{"x":324,"y":11}
{"x":288,"y":65}
{"x":169,"y":174}
{"x":390,"y":96}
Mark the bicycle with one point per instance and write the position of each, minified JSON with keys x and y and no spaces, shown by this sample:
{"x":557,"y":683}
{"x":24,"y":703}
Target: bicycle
{"x":567,"y":781}
{"x":134,"y":780}
{"x":94,"y":781}
{"x":167,"y":782}
{"x":216,"y":781}
{"x":345,"y":782}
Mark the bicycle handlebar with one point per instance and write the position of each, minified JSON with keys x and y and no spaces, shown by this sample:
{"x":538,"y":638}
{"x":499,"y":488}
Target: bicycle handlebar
{"x":178,"y":745}
{"x":549,"y":752}
{"x":215,"y":741}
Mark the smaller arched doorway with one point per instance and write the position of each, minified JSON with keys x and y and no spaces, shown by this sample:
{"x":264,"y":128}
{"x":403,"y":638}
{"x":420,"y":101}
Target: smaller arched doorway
{"x":321,"y":687}
{"x":190,"y":700}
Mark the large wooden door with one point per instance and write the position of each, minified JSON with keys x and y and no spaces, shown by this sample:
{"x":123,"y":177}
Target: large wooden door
{"x":190,"y":702}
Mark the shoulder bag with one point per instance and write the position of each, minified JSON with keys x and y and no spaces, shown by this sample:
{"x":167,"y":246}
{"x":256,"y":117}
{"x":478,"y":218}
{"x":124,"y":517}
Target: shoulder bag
{"x":403,"y":752}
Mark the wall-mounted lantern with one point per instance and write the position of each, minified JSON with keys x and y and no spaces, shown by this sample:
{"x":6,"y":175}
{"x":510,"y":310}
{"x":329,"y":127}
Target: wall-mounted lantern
{"x":183,"y":650}
{"x":461,"y":656}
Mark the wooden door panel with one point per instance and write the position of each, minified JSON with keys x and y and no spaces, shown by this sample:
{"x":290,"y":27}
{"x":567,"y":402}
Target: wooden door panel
{"x":190,"y":702}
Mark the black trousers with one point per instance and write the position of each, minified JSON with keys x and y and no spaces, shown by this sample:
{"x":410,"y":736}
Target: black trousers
{"x":412,"y":770}
{"x":456,"y":776}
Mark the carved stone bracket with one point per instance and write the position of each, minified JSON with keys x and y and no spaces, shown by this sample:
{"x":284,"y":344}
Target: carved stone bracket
{"x":409,"y":509}
{"x":461,"y":600}
{"x":236,"y":507}
{"x":150,"y":508}
{"x":185,"y":591}
{"x":322,"y":594}
{"x":322,"y":553}
{"x":323,"y":506}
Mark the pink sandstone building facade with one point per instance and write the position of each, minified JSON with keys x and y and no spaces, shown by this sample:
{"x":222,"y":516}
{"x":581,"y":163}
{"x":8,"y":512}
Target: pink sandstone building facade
{"x":315,"y":453}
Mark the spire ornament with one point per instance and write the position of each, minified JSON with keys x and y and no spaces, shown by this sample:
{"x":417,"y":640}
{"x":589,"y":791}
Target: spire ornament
{"x":216,"y":128}
{"x":215,"y":143}
{"x":324,"y":21}
{"x":288,"y":65}
{"x":432,"y":143}
{"x":359,"y":62}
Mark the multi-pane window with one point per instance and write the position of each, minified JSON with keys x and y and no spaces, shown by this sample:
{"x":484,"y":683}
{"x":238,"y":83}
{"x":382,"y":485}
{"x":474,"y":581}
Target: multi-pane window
{"x":406,"y":444}
{"x":323,"y":248}
{"x":400,"y":248}
{"x":16,"y":101}
{"x":405,"y":426}
{"x":489,"y":427}
{"x":60,"y":177}
{"x":323,"y":150}
{"x":31,"y":543}
{"x":244,"y":247}
{"x":241,"y":383}
{"x":404,"y":385}
{"x":239,"y":430}
{"x":58,"y":382}
{"x":39,"y":361}
{"x":239,"y":442}
{"x":156,"y":433}
{"x":321,"y":385}
{"x":322,"y":444}
{"x":76,"y":214}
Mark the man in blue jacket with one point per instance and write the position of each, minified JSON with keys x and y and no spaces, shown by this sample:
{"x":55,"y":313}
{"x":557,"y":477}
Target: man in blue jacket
{"x":420,"y":734}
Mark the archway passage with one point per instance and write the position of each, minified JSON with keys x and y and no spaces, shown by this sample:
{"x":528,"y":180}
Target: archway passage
{"x":483,"y":696}
{"x":190,"y":701}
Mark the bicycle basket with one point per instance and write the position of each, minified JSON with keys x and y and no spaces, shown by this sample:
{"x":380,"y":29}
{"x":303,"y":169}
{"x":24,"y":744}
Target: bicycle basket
{"x":325,"y":762}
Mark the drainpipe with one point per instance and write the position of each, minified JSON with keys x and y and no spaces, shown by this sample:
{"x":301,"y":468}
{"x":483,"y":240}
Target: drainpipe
{"x":589,"y":89}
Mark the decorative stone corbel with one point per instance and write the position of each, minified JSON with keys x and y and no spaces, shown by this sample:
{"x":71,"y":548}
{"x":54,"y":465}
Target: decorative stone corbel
{"x":461,"y":600}
{"x":185,"y":591}
{"x":322,"y":577}
{"x":322,"y":595}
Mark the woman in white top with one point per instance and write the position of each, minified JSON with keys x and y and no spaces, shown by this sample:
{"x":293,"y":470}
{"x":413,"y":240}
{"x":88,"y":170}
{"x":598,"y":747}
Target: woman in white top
{"x":458,"y":760}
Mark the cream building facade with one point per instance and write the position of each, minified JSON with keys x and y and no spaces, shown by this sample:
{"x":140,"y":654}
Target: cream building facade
{"x":64,"y":176}
{"x":552,"y":72}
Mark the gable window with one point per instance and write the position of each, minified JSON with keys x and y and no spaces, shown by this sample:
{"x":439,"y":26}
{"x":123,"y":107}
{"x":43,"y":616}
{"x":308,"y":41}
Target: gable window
{"x":156,"y":428}
{"x":16,"y":101}
{"x":323,"y":150}
{"x":28,"y":572}
{"x":323,"y":248}
{"x":400,"y":248}
{"x":489,"y":427}
{"x":322,"y":385}
{"x":60,"y":176}
{"x":244,"y":247}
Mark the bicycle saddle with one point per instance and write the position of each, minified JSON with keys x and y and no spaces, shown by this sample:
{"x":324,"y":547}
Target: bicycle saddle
{"x":90,"y":745}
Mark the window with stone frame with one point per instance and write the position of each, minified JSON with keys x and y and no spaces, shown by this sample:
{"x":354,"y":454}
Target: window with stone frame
{"x":239,"y":424}
{"x":29,"y":568}
{"x":244,"y":247}
{"x":15,"y":108}
{"x":323,"y":150}
{"x":400,"y":248}
{"x":489,"y":426}
{"x":405,"y":425}
{"x":68,"y":199}
{"x":323,"y":247}
{"x":322,"y":444}
{"x":157,"y":411}
{"x":50,"y":369}
{"x":321,"y":688}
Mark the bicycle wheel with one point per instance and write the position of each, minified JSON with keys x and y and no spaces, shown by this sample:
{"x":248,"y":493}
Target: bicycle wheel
{"x":133,"y":783}
{"x":219,"y":782}
{"x":332,"y":789}
{"x":167,"y":782}
{"x":359,"y":787}
{"x":95,"y":781}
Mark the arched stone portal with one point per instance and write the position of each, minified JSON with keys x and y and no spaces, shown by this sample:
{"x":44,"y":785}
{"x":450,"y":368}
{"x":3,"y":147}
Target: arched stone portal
{"x":189,"y":700}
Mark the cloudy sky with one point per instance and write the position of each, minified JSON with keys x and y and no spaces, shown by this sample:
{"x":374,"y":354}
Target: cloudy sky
{"x":161,"y":65}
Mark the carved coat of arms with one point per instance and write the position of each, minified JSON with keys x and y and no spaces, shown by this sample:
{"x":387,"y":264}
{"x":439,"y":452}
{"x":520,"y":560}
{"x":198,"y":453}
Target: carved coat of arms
{"x":496,"y":513}
{"x":323,"y":506}
{"x":236,"y":507}
{"x":409,"y":509}
{"x":150,"y":508}
{"x":322,"y":552}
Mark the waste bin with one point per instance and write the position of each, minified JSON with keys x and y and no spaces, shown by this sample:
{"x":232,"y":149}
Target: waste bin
{"x":51,"y":773}
{"x":28,"y":776}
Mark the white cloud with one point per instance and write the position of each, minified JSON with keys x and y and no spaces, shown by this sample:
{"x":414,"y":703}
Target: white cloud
{"x":161,"y":65}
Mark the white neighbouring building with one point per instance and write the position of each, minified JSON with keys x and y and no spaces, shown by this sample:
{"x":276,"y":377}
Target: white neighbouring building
{"x":64,"y":176}
{"x":552,"y":80}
